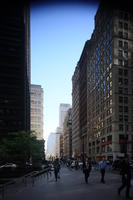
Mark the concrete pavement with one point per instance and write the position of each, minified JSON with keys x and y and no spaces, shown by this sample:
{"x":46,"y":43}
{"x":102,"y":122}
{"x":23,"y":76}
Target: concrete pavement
{"x":71,"y":186}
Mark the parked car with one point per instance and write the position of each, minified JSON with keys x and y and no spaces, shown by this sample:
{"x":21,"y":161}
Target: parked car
{"x":10,"y":165}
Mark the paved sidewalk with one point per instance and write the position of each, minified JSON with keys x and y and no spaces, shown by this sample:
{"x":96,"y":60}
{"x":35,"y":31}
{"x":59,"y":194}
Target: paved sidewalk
{"x":71,"y":185}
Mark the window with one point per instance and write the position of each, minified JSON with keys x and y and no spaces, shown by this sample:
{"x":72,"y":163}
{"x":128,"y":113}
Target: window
{"x":120,"y":72}
{"x":125,"y":90}
{"x":120,"y":43}
{"x":125,"y":72}
{"x":126,"y":81}
{"x":120,"y":90}
{"x":120,"y":34}
{"x":126,"y":118}
{"x":125,"y":16}
{"x":125,"y":35}
{"x":120,"y":53}
{"x":125,"y":109}
{"x":126,"y":45}
{"x":120,"y":24}
{"x":126,"y":54}
{"x":125,"y":26}
{"x":120,"y":81}
{"x":125,"y":63}
{"x":120,"y":108}
{"x":120,"y":127}
{"x":126,"y":100}
{"x":120,"y":62}
{"x":120,"y":99}
{"x":120,"y":118}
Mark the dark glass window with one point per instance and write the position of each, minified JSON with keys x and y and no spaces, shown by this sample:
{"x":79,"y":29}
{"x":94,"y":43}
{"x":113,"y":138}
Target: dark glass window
{"x":120,"y":43}
{"x":120,"y":24}
{"x":120,"y":127}
{"x":120,"y":99}
{"x":120,"y":34}
{"x":120,"y":71}
{"x":120,"y":53}
{"x":120,"y":90}
{"x":125,"y":26}
{"x":125,"y":72}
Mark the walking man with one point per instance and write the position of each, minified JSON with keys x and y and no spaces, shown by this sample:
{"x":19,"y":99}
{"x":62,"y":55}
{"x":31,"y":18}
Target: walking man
{"x":86,"y":169}
{"x":56,"y":168}
{"x":102,"y":167}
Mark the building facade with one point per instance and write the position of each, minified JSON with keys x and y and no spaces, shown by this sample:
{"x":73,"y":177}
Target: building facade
{"x":110,"y":88}
{"x":62,"y":113}
{"x":50,"y":153}
{"x":76,"y":138}
{"x":106,"y":86}
{"x":67,"y":135}
{"x":37,"y":110}
{"x":57,"y":141}
{"x":15,"y":68}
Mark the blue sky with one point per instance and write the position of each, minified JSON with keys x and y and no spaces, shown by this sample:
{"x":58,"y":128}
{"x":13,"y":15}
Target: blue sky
{"x":58,"y":35}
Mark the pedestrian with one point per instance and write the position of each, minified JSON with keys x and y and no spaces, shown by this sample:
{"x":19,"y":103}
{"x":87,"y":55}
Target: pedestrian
{"x":102,"y":167}
{"x":56,"y":169}
{"x":86,"y":169}
{"x":125,"y":172}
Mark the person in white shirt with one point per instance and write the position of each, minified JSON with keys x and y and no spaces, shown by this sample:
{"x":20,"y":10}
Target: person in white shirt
{"x":102,"y":167}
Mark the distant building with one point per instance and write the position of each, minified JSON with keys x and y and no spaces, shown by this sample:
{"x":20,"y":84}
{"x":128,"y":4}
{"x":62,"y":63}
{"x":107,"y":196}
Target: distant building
{"x":57,"y":142}
{"x":76,"y":137}
{"x":37,"y":110}
{"x":51,"y":146}
{"x":62,"y":112}
{"x":14,"y":68}
{"x":67,"y":135}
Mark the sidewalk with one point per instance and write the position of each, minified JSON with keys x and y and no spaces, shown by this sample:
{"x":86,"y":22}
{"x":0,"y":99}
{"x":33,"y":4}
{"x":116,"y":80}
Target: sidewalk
{"x":17,"y":184}
{"x":71,"y":185}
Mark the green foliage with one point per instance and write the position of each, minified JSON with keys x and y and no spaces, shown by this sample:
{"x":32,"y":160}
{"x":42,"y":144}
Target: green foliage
{"x":21,"y":147}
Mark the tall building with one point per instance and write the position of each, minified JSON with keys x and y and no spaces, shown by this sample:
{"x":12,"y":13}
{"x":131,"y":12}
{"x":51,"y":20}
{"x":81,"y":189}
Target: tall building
{"x":62,"y":112}
{"x":14,"y":68}
{"x":106,"y":73}
{"x":51,"y":145}
{"x":67,"y":135}
{"x":37,"y":110}
{"x":110,"y":88}
{"x":57,"y":141}
{"x":76,"y":138}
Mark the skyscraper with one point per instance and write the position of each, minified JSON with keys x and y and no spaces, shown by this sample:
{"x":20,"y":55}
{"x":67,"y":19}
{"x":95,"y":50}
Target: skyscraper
{"x":51,"y":145}
{"x":62,"y":112}
{"x":110,"y":88}
{"x":105,"y":89}
{"x":37,"y":110}
{"x":14,"y":68}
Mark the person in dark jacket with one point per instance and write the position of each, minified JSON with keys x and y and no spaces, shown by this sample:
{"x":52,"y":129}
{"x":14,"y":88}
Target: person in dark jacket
{"x":86,"y":169}
{"x":56,"y":169}
{"x":125,"y":172}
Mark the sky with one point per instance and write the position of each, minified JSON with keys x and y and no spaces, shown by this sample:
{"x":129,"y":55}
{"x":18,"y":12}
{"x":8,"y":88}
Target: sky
{"x":58,"y":34}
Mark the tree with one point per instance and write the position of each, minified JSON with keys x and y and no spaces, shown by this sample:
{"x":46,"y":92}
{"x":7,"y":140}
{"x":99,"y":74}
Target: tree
{"x":21,"y":147}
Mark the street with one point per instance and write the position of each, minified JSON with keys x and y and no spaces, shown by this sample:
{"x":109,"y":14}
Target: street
{"x":71,"y":185}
